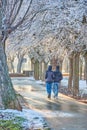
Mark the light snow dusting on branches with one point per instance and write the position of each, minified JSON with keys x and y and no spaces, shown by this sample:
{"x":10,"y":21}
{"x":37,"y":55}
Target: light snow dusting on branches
{"x":50,"y":26}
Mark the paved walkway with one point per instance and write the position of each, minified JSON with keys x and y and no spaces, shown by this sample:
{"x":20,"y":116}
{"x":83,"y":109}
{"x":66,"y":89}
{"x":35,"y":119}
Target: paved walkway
{"x":62,"y":114}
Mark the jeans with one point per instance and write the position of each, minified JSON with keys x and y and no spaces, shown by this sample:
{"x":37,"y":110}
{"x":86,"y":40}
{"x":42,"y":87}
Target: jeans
{"x":55,"y":89}
{"x":48,"y":88}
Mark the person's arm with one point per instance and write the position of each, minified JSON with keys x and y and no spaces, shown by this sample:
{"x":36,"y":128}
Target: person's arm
{"x":53,"y":76}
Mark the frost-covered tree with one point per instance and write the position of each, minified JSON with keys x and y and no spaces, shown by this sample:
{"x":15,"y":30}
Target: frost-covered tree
{"x":14,"y":14}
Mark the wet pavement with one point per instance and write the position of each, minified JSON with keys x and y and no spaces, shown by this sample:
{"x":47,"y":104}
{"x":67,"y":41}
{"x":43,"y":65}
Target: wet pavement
{"x":63,"y":113}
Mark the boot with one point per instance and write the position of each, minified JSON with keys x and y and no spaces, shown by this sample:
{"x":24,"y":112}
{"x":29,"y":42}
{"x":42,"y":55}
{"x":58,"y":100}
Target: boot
{"x":49,"y":96}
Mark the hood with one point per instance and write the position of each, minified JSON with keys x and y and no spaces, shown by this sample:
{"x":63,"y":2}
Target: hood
{"x":50,"y":67}
{"x":57,"y":67}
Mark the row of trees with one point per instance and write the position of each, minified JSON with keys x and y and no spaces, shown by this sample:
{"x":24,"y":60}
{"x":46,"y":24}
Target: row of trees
{"x":39,"y":55}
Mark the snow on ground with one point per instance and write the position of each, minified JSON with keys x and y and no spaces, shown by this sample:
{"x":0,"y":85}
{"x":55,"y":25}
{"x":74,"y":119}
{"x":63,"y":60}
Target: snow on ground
{"x":82,"y":86}
{"x":82,"y":83}
{"x":40,"y":82}
{"x":33,"y":120}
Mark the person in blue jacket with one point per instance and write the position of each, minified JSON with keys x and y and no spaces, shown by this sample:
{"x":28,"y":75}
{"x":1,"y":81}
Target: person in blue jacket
{"x":49,"y":80}
{"x":57,"y":78}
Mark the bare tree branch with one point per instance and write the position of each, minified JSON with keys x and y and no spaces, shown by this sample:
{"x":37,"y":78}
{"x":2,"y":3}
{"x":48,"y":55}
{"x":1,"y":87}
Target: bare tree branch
{"x":18,"y":9}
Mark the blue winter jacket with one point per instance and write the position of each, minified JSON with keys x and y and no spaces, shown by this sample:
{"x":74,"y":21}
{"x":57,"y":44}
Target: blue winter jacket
{"x":49,"y":75}
{"x":57,"y":75}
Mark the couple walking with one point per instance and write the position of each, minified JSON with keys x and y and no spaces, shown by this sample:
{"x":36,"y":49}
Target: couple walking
{"x":53,"y":78}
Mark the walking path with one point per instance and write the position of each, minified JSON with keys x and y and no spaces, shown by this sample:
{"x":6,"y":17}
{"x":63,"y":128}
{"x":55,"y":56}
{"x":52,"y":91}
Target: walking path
{"x":62,"y":114}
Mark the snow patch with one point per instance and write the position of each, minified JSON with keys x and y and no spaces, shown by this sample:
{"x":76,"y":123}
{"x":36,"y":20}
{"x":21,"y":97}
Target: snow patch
{"x":32,"y":118}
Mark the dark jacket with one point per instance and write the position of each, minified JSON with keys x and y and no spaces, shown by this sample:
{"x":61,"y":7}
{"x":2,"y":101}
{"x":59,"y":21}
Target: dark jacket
{"x":57,"y":75}
{"x":49,"y":75}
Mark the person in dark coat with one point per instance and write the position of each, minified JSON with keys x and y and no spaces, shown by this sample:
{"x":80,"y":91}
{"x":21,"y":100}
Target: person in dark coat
{"x":49,"y":80}
{"x":57,"y":78}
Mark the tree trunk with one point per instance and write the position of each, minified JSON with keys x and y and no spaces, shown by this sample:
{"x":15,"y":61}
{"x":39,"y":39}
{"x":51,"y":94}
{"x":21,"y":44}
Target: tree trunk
{"x":76,"y":75}
{"x":32,"y":64}
{"x":8,"y":98}
{"x":40,"y":70}
{"x":70,"y":73}
{"x":36,"y":70}
{"x":60,"y":64}
{"x":10,"y":66}
{"x":44,"y":68}
{"x":66,"y":65}
{"x":20,"y":59}
{"x":85,"y":69}
{"x":80,"y":70}
{"x":54,"y":63}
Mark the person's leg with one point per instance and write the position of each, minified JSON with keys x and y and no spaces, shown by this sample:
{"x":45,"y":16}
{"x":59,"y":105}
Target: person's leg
{"x":48,"y":88}
{"x":56,"y":90}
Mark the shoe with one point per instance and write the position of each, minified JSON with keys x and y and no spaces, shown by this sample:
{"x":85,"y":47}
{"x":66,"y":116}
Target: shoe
{"x":56,"y":97}
{"x":49,"y":96}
